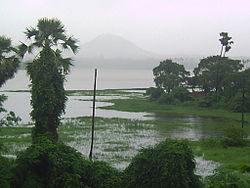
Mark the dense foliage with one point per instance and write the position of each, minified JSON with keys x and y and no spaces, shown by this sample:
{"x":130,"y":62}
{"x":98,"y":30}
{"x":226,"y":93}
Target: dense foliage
{"x":48,"y":95}
{"x":46,"y":164}
{"x":218,"y":82}
{"x":168,"y":164}
{"x":154,"y":93}
{"x":169,"y":75}
{"x":212,"y":72}
{"x":47,"y":73}
{"x":6,"y":166}
{"x":9,"y":63}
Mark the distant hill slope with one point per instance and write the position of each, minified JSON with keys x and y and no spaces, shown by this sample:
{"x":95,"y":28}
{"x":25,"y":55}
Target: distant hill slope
{"x":109,"y":46}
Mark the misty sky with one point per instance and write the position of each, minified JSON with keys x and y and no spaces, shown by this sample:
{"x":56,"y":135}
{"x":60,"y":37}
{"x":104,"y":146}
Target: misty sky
{"x":167,"y":27}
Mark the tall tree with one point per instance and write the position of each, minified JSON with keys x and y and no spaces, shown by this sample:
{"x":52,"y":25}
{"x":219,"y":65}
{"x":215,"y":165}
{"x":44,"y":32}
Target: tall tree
{"x":226,"y":43}
{"x":212,"y":71}
{"x":47,"y":73}
{"x":169,"y":75}
{"x":9,"y":61}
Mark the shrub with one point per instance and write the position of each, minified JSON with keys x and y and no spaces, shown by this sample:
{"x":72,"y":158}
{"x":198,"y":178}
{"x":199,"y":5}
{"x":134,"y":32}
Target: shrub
{"x":46,"y":164}
{"x":168,"y":164}
{"x":5,"y":171}
{"x":102,"y":175}
{"x":167,"y":98}
{"x":235,"y":103}
{"x":226,"y":179}
{"x":154,"y":93}
{"x":234,"y":137}
{"x":181,"y":93}
{"x":212,"y":100}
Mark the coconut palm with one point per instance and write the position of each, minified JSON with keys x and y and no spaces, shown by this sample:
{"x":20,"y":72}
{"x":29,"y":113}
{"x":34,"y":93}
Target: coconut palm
{"x":47,"y":73}
{"x":50,"y":34}
{"x":225,"y":43}
{"x":8,"y":60}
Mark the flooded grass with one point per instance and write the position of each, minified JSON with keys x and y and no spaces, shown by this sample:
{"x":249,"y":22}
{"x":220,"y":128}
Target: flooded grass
{"x":116,"y":140}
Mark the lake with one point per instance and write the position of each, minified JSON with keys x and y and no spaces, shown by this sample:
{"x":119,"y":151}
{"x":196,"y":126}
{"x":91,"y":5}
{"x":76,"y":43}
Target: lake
{"x":81,"y":79}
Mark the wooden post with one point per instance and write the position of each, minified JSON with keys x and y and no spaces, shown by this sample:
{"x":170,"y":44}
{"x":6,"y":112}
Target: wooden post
{"x":93,"y":118}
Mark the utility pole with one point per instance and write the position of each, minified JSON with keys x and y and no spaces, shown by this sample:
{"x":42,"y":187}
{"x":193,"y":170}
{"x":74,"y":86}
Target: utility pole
{"x":93,"y":117}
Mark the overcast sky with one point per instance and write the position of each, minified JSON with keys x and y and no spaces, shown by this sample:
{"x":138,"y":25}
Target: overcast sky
{"x":188,"y":27}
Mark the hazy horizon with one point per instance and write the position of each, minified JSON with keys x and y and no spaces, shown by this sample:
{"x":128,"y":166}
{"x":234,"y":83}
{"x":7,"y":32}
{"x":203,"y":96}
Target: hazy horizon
{"x":165,"y":27}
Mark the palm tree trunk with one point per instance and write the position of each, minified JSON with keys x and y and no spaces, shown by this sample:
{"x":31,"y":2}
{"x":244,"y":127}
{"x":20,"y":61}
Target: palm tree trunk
{"x":221,"y":51}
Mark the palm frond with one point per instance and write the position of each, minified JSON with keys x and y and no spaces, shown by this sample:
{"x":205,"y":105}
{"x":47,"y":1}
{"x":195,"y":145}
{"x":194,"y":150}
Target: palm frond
{"x":72,"y":44}
{"x":30,"y":32}
{"x":22,"y":49}
{"x":5,"y":44}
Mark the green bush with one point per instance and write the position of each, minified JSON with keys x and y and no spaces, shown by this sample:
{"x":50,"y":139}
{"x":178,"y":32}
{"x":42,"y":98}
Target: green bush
{"x":227,"y":179}
{"x":235,"y":103}
{"x":182,"y":94}
{"x":5,"y":171}
{"x":167,"y":98}
{"x":154,"y":93}
{"x":168,"y":164}
{"x":46,"y":164}
{"x":102,"y":175}
{"x":234,"y":137}
{"x":212,"y":100}
{"x":208,"y":101}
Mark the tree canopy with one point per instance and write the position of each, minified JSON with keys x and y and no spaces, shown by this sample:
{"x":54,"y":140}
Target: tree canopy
{"x":212,"y":71}
{"x":9,"y":61}
{"x":169,"y":75}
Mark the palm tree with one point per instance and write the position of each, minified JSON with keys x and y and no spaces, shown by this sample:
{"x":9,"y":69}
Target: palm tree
{"x":9,"y":62}
{"x":50,"y":34}
{"x":47,"y":73}
{"x":225,"y":43}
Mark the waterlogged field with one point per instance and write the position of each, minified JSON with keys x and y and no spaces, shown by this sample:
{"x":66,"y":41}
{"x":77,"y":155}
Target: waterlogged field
{"x":116,"y":140}
{"x":144,"y":124}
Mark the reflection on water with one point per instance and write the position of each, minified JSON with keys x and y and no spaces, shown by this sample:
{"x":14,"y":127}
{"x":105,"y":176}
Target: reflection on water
{"x":197,"y":127}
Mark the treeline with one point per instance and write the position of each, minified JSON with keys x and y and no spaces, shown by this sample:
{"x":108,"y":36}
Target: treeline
{"x":217,"y":81}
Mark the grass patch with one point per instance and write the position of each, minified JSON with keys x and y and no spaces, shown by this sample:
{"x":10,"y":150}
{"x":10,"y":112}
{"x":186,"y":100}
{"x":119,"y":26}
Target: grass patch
{"x":106,"y":92}
{"x":139,"y":104}
{"x":231,"y":158}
